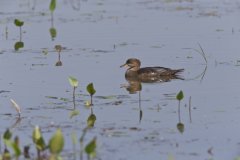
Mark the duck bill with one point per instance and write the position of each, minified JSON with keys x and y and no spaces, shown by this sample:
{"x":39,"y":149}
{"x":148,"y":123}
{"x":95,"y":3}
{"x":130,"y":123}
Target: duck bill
{"x":124,"y":65}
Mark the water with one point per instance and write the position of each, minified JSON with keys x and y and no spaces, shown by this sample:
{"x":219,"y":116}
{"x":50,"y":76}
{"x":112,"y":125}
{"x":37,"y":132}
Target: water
{"x":98,"y":37}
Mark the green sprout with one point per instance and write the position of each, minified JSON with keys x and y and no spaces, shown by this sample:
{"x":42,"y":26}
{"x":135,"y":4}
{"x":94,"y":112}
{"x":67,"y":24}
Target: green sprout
{"x":91,"y":91}
{"x":74,"y":83}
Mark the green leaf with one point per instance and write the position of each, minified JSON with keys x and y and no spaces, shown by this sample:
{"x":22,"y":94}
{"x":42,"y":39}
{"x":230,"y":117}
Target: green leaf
{"x":90,"y":148}
{"x":73,"y":81}
{"x":15,"y":147}
{"x":180,"y":127}
{"x":52,"y":5}
{"x":38,"y":139}
{"x":91,"y":120}
{"x":180,"y":96}
{"x":53,"y":32}
{"x":18,"y":45}
{"x":7,"y":135}
{"x":56,"y":143}
{"x":90,"y":89}
{"x":74,"y":113}
{"x":18,"y":22}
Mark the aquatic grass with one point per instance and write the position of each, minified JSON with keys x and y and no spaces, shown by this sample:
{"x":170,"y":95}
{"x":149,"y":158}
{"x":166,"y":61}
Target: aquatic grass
{"x":17,"y":107}
{"x":203,"y":54}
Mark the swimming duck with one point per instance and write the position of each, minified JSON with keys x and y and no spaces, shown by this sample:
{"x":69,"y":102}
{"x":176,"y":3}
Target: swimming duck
{"x":149,"y":74}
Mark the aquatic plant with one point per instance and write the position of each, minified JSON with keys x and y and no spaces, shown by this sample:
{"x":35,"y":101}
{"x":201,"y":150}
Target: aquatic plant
{"x":180,"y":125}
{"x":19,"y":24}
{"x":91,"y":90}
{"x":56,"y":144}
{"x":58,"y":48}
{"x":39,"y":141}
{"x":91,"y":120}
{"x":14,"y":144}
{"x":52,"y":30}
{"x":50,"y":151}
{"x":90,"y":148}
{"x":74,"y":83}
{"x":19,"y":44}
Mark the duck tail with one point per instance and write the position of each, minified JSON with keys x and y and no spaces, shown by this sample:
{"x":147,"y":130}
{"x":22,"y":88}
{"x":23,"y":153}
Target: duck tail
{"x":177,"y":72}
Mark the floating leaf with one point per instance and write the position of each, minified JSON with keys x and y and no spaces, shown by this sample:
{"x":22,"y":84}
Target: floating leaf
{"x":18,"y":22}
{"x":90,"y":148}
{"x":18,"y":45}
{"x":74,"y":113}
{"x":91,"y":120}
{"x":38,"y":139}
{"x":180,"y":96}
{"x":52,"y":5}
{"x":180,"y":127}
{"x":90,"y":89}
{"x":73,"y":81}
{"x":53,"y":32}
{"x":56,"y":143}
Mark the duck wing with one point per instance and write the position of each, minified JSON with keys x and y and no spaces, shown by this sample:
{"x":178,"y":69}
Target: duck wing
{"x":158,"y":71}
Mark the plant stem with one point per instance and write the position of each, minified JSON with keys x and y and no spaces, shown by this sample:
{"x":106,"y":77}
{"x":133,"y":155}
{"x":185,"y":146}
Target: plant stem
{"x":52,"y":20}
{"x":91,"y":101}
{"x":179,"y":114}
{"x":189,"y":109}
{"x":20,"y":30}
{"x":74,"y":103}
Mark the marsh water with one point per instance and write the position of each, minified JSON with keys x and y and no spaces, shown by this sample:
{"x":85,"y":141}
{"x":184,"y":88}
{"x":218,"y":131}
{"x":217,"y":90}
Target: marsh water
{"x":97,"y":37}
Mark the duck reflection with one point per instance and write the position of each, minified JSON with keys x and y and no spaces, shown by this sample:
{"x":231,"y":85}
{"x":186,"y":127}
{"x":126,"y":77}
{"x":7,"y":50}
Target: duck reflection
{"x":135,"y":76}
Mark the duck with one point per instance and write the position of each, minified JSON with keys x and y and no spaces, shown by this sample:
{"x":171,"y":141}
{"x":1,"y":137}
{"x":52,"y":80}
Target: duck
{"x":149,"y":74}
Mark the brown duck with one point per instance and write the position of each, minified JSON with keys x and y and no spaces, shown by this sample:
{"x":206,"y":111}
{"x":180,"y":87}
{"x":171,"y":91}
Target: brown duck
{"x":149,"y":74}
